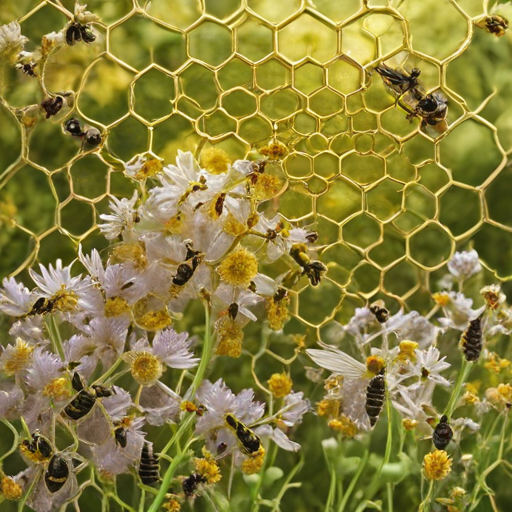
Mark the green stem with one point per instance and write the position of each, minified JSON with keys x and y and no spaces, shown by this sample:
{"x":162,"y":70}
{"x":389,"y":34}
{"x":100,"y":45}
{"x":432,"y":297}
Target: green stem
{"x":269,"y":461}
{"x":425,"y":504}
{"x":350,"y":488}
{"x":463,"y":374}
{"x":389,"y":487}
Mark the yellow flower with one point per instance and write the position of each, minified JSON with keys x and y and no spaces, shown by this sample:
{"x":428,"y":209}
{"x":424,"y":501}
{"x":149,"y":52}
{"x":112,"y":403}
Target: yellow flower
{"x":328,"y":407}
{"x":409,"y":424}
{"x":215,"y":160}
{"x":116,"y":306}
{"x":208,"y":469}
{"x":145,"y":368}
{"x":10,"y":489}
{"x":437,"y":465}
{"x":277,"y":313}
{"x":345,"y":426}
{"x":239,"y":267}
{"x":441,"y":298}
{"x":172,"y":504}
{"x":274,"y":151}
{"x":495,"y":364}
{"x":57,"y":389}
{"x":19,"y":358}
{"x":407,"y":349}
{"x":230,"y":336}
{"x":280,"y":384}
{"x":375,"y":364}
{"x":267,"y":186}
{"x":254,"y":463}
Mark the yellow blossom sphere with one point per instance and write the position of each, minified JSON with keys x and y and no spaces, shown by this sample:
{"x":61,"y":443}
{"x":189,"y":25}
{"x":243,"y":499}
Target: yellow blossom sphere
{"x":208,"y":469}
{"x":344,"y":425}
{"x":254,"y":463}
{"x":437,"y":465}
{"x":10,"y":489}
{"x":239,"y":267}
{"x":215,"y":160}
{"x":230,"y":336}
{"x":280,"y":384}
{"x":145,"y":368}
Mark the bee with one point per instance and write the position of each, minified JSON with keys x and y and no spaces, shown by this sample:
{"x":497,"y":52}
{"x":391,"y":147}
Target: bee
{"x":340,"y":363}
{"x":56,"y":473}
{"x":496,"y":25}
{"x":41,"y":306}
{"x":28,"y":68}
{"x":313,"y":269}
{"x":281,"y":294}
{"x":190,"y":483}
{"x":52,"y":106}
{"x":379,"y":311}
{"x":443,"y":433}
{"x":233,"y":310}
{"x":471,"y":340}
{"x":148,"y":465}
{"x":432,"y":108}
{"x":73,"y":127}
{"x":120,"y":434}
{"x":38,"y":449}
{"x":91,"y":136}
{"x":186,"y":270}
{"x":77,"y":32}
{"x":399,"y":82}
{"x":83,"y":403}
{"x":250,"y":442}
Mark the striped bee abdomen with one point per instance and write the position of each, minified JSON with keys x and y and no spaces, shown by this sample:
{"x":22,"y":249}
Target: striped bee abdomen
{"x":148,"y":465}
{"x":472,"y":340}
{"x":375,"y":395}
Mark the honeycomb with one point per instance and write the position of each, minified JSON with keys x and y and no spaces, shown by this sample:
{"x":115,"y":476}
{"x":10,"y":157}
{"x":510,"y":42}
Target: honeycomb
{"x":391,"y":201}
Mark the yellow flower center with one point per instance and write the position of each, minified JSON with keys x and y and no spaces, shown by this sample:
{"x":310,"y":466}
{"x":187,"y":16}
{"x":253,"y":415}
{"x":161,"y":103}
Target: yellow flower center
{"x":58,"y":389}
{"x":239,"y":267}
{"x":441,"y":298}
{"x":437,"y":465}
{"x":254,"y":463}
{"x":280,"y":384}
{"x":172,"y":505}
{"x":266,"y":187}
{"x":233,"y":226}
{"x":277,"y":313}
{"x":328,"y":407}
{"x":10,"y":489}
{"x":149,"y":169}
{"x":208,"y":469}
{"x":409,"y":424}
{"x":65,"y":300}
{"x":146,"y":369}
{"x":133,"y":253}
{"x":345,"y":426}
{"x":375,"y":364}
{"x":230,"y":336}
{"x":19,"y":359}
{"x":116,"y":306}
{"x":174,"y":225}
{"x":407,"y":349}
{"x":274,"y":151}
{"x":150,"y":313}
{"x":215,"y":160}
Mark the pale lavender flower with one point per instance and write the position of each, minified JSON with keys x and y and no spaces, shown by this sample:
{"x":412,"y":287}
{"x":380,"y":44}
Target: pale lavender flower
{"x":464,"y":264}
{"x":123,"y":218}
{"x":15,"y":298}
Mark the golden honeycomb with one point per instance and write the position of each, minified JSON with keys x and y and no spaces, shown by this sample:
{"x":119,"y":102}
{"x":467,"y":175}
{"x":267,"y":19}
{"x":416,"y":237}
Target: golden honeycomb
{"x":391,"y":201}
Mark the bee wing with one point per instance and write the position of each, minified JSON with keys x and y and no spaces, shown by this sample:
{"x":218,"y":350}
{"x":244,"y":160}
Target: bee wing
{"x":337,"y":361}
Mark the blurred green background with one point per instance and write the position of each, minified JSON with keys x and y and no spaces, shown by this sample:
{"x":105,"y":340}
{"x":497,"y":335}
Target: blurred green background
{"x":391,"y":203}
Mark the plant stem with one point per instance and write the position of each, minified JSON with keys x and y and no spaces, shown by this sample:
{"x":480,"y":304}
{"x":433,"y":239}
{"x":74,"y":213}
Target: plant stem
{"x":353,"y":482}
{"x":463,"y":374}
{"x":425,"y":504}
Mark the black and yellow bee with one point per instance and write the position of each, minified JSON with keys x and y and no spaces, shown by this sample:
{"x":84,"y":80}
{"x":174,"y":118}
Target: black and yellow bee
{"x":431,"y":108}
{"x":77,"y":32}
{"x":191,"y":483}
{"x":83,"y":403}
{"x":250,"y":442}
{"x":38,"y":449}
{"x":443,"y":433}
{"x":379,"y":311}
{"x":52,"y":105}
{"x":313,"y":269}
{"x":471,"y":340}
{"x":186,"y":270}
{"x":57,"y":473}
{"x":375,"y":396}
{"x":88,"y":134}
{"x":42,"y":306}
{"x":149,"y":468}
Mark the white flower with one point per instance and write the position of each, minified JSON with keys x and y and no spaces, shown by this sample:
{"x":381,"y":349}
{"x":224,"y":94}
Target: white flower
{"x":464,"y":264}
{"x":15,"y":298}
{"x":82,"y":16}
{"x":123,"y":218}
{"x":458,"y":311}
{"x":413,"y":326}
{"x":294,"y":408}
{"x":362,"y":319}
{"x":52,"y":41}
{"x":173,"y":349}
{"x":242,"y":298}
{"x":11,"y":40}
{"x":412,"y":405}
{"x":10,"y":401}
{"x":45,"y":368}
{"x":158,"y":406}
{"x":29,"y":329}
{"x":427,"y":367}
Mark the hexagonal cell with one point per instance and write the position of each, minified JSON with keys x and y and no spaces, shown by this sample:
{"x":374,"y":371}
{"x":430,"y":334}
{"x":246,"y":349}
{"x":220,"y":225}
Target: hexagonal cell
{"x":361,"y":231}
{"x":317,"y":185}
{"x":239,"y":103}
{"x":198,"y":83}
{"x":400,"y":168}
{"x":406,"y":222}
{"x":342,"y":143}
{"x":255,"y":129}
{"x":307,"y":37}
{"x":343,"y":255}
{"x":387,"y":29}
{"x":327,"y":165}
{"x":470,"y":163}
{"x":344,"y":76}
{"x":56,"y":245}
{"x":17,"y":246}
{"x":174,"y":133}
{"x":419,"y":149}
{"x":211,"y":43}
{"x":20,"y":191}
{"x":308,"y":78}
{"x":341,"y":201}
{"x":217,"y":123}
{"x":298,"y":166}
{"x":154,"y":94}
{"x":366,"y":279}
{"x":334,"y":125}
{"x":272,"y":11}
{"x":364,"y":142}
{"x":43,"y":21}
{"x":128,"y":138}
{"x":50,"y":147}
{"x":222,"y":9}
{"x":189,"y":107}
{"x":89,"y":177}
{"x":234,"y":74}
{"x":460,"y":210}
{"x":420,"y":201}
{"x":182,"y":14}
{"x":296,"y":202}
{"x":385,"y":200}
{"x":326,"y":102}
{"x":486,"y":241}
{"x":272,"y":74}
{"x":106,"y":84}
{"x":390,"y":250}
{"x":433,"y":177}
{"x":255,"y":40}
{"x":327,"y":294}
{"x":358,"y":44}
{"x":304,"y":123}
{"x":364,"y":122}
{"x":497,"y":197}
{"x":401,"y":279}
{"x":394,"y":121}
{"x":338,"y":11}
{"x":129,"y":42}
{"x":450,"y":28}
{"x":431,"y":247}
{"x":354,"y":103}
{"x":317,"y":143}
{"x":279,"y":104}
{"x":363,"y":169}
{"x":76,"y":217}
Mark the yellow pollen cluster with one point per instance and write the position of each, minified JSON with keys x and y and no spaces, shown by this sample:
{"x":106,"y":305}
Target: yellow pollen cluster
{"x":407,"y":349}
{"x":458,"y":492}
{"x":172,"y":505}
{"x":10,"y":489}
{"x":116,"y":306}
{"x":280,"y":384}
{"x":437,"y":465}
{"x":277,"y":313}
{"x":150,"y":168}
{"x":441,"y":298}
{"x":470,"y":398}
{"x":215,"y":160}
{"x":344,"y":425}
{"x":254,"y":463}
{"x":146,"y":369}
{"x":151,"y":314}
{"x":252,"y":220}
{"x":7,"y":212}
{"x":208,"y":469}
{"x":230,"y":336}
{"x":233,"y":226}
{"x":239,"y":267}
{"x":496,"y":364}
{"x":58,"y":389}
{"x":133,"y":253}
{"x":375,"y":364}
{"x":274,"y":151}
{"x":409,"y":424}
{"x":65,"y":300}
{"x":19,"y":359}
{"x":328,"y":407}
{"x":266,"y":187}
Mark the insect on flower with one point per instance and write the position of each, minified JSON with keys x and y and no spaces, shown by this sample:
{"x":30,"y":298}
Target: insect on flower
{"x":148,"y":465}
{"x":379,"y":311}
{"x":373,"y":373}
{"x":77,"y":32}
{"x":38,"y":449}
{"x":250,"y":442}
{"x":314,"y":269}
{"x":191,"y":483}
{"x":56,"y":473}
{"x":471,"y":340}
{"x":443,"y":434}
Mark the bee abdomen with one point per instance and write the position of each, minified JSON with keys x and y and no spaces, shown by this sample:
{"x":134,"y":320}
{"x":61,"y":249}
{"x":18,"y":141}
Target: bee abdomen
{"x":80,"y":406}
{"x":443,"y":434}
{"x":375,"y":395}
{"x":56,"y":474}
{"x":148,"y":467}
{"x":472,"y":340}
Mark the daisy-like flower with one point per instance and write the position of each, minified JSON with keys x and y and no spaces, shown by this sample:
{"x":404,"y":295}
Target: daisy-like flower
{"x":11,"y":399}
{"x":82,"y":16}
{"x":29,"y":329}
{"x":243,"y":299}
{"x":219,"y":400}
{"x":51,"y":41}
{"x":15,"y":298}
{"x":437,"y":465}
{"x":458,"y":310}
{"x":359,"y":323}
{"x":12,"y":41}
{"x":123,"y":218}
{"x":17,"y":359}
{"x":147,"y":363}
{"x":143,"y":166}
{"x":427,"y":368}
{"x":464,"y":265}
{"x":159,"y":406}
{"x":413,"y":326}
